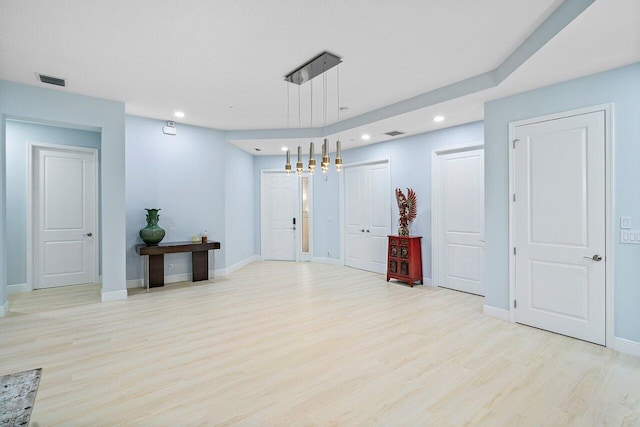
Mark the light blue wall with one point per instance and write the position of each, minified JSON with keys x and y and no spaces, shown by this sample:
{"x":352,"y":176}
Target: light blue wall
{"x":31,"y":103}
{"x":620,"y":87}
{"x":410,"y":162}
{"x":195,"y":178}
{"x":18,"y":134}
{"x":240,"y":211}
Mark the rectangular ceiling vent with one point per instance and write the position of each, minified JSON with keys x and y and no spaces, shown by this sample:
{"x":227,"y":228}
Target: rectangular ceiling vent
{"x":394,"y":133}
{"x":52,"y":80}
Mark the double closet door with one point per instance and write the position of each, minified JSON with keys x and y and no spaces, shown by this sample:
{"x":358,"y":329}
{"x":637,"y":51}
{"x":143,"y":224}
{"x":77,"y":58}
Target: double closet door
{"x":367,"y":201}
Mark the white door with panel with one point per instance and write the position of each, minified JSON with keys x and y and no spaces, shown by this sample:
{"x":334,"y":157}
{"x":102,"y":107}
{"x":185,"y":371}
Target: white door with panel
{"x":460,"y":220}
{"x":559,"y":229}
{"x":64,"y":217}
{"x":279,"y":211}
{"x":367,"y":192}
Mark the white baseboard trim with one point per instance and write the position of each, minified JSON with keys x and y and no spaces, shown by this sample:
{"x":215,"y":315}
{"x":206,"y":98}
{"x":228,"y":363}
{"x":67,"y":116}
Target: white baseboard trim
{"x":428,"y":282}
{"x":624,"y":345}
{"x":19,"y":288}
{"x":4,"y":309}
{"x":498,"y":313}
{"x":325,"y":260}
{"x":237,"y":266}
{"x":186,"y":277}
{"x":135,"y":283}
{"x":114,"y":295}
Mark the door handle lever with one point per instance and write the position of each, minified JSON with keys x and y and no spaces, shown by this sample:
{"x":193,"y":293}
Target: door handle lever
{"x":596,"y":257}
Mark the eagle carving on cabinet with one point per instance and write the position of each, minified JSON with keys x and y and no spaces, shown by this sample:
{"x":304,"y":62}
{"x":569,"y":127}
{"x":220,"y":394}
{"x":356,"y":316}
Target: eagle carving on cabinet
{"x":407,"y":207}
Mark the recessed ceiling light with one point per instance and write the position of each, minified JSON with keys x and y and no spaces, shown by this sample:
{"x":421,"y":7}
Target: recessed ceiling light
{"x":366,"y":136}
{"x":179,"y":114}
{"x":285,"y":148}
{"x":438,"y":118}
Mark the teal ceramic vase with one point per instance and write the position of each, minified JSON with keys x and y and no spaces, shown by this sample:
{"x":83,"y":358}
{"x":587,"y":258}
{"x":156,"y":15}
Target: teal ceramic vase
{"x":152,"y":234}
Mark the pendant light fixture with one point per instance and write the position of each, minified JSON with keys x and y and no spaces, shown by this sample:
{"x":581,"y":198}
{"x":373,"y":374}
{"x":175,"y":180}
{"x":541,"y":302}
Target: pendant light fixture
{"x":306,"y":73}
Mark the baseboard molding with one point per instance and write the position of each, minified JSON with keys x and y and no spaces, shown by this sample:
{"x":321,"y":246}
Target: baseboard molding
{"x":325,"y":260}
{"x":135,"y":283}
{"x":4,"y":309}
{"x":624,"y":345}
{"x":428,"y":282}
{"x":114,"y":295}
{"x":19,"y":288}
{"x":237,"y":266}
{"x":186,"y":277}
{"x":498,"y":313}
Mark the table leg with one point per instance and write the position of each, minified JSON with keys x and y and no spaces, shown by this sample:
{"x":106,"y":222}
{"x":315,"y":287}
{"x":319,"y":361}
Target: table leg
{"x":200,"y":265}
{"x":156,"y":271}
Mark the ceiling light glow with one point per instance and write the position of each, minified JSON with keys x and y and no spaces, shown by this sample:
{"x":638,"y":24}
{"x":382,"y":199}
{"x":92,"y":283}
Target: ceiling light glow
{"x":438,"y":118}
{"x":285,"y":148}
{"x":366,"y":136}
{"x":179,"y":114}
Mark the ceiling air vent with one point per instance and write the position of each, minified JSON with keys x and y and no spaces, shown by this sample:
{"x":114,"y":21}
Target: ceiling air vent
{"x":394,"y":133}
{"x":52,"y":80}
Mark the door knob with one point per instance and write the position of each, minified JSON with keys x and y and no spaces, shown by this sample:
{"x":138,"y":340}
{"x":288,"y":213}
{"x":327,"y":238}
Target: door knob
{"x":596,"y":257}
{"x":367,"y":231}
{"x":362,"y":230}
{"x":89,"y":234}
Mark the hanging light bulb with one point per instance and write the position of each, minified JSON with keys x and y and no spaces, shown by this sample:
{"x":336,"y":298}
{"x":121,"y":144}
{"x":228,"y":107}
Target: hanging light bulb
{"x":299,"y":165}
{"x":287,"y":166}
{"x":325,"y":157}
{"x":312,"y":161}
{"x":338,"y":158}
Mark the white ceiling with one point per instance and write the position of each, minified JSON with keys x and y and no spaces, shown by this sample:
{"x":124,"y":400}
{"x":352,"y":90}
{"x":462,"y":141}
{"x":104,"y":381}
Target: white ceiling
{"x":203,"y":57}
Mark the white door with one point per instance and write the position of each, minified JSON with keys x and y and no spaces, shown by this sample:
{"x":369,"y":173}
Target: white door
{"x":354,"y":214}
{"x":460,"y":225}
{"x":278,"y":196}
{"x":367,"y":216}
{"x":560,"y":226}
{"x":64,"y":221}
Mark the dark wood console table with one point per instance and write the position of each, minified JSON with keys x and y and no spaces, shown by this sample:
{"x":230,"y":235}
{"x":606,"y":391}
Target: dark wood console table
{"x":199,"y":259}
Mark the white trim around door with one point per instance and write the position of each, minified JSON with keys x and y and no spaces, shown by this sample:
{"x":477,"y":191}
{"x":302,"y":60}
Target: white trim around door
{"x":436,"y":238}
{"x":609,"y":203}
{"x":32,"y":147}
{"x":341,"y":199}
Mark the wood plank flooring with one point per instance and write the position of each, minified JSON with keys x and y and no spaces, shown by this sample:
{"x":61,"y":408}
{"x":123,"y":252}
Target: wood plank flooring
{"x":278,"y":344}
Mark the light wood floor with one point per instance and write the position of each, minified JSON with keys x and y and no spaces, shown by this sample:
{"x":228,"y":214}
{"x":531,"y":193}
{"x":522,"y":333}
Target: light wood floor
{"x":280,"y":344}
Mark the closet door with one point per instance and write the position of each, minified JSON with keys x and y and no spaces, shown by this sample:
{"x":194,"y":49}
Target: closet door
{"x":367,"y":216}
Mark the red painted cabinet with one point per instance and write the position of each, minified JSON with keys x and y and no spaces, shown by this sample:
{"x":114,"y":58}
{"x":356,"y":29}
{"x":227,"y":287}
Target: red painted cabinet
{"x":404,"y":259}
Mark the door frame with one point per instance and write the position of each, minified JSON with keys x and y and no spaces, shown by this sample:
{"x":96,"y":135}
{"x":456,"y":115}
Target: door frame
{"x":609,"y":203}
{"x":299,"y":256}
{"x":436,"y":238}
{"x":32,"y":146}
{"x":436,"y":190}
{"x":298,"y":211}
{"x":341,"y":200}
